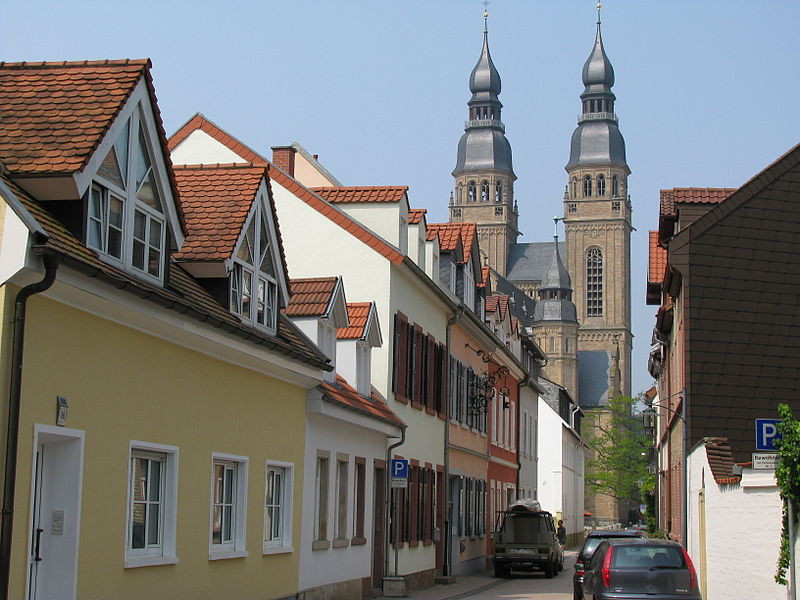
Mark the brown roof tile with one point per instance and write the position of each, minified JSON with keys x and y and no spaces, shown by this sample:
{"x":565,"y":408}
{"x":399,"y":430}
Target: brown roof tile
{"x":497,"y":302}
{"x":345,"y":395}
{"x":373,"y":193}
{"x":484,"y":276}
{"x":357,"y":314}
{"x":311,"y":297}
{"x":670,"y":198}
{"x":449,"y":235}
{"x":657,"y":260}
{"x":216,"y":200}
{"x":416,"y":215}
{"x":720,"y":460}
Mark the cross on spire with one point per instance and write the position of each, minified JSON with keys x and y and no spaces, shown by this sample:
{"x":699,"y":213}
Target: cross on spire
{"x":486,"y":4}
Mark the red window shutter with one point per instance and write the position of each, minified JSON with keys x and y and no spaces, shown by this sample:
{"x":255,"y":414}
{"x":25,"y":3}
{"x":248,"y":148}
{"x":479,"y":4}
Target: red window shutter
{"x":430,"y":371}
{"x":429,"y":503}
{"x":402,"y":357}
{"x":414,"y":492}
{"x":418,"y":363}
{"x":444,"y":361}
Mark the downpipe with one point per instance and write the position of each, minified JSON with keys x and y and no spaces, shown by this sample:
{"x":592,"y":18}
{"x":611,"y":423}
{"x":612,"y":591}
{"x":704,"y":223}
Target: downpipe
{"x":389,"y":516}
{"x":51,"y":260}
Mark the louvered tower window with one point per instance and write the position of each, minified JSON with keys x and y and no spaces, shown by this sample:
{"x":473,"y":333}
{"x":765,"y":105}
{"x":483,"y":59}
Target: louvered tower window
{"x":484,"y":191}
{"x":594,"y":283}
{"x":587,"y":186}
{"x":601,"y":185}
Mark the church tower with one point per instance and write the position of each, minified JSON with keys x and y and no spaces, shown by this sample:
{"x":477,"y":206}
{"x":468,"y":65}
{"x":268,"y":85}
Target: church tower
{"x":597,"y":217}
{"x":484,"y":177}
{"x":555,"y":324}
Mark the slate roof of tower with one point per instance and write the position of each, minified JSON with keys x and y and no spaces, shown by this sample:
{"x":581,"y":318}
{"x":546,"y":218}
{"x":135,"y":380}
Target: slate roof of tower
{"x":529,"y":262}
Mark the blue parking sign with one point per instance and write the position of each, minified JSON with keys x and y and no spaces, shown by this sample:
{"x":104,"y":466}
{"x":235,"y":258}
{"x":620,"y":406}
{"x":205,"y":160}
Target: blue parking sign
{"x":399,"y":468}
{"x":766,"y":434}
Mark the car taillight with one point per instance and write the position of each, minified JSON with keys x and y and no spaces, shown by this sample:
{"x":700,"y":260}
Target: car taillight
{"x":579,"y":569}
{"x":692,"y":572}
{"x":606,"y":569}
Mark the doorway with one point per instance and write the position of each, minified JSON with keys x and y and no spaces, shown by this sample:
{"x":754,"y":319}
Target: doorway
{"x":57,"y":477}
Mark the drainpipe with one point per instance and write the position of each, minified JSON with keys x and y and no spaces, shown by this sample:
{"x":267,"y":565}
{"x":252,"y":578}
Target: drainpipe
{"x":445,"y":533}
{"x":390,"y":505}
{"x":51,"y":259}
{"x":685,"y":469}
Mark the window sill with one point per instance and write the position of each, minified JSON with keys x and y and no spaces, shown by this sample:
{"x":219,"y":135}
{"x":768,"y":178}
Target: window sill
{"x":320,"y":545}
{"x":341,"y":543}
{"x":225,"y":554}
{"x":277,"y":550}
{"x":134,"y":562}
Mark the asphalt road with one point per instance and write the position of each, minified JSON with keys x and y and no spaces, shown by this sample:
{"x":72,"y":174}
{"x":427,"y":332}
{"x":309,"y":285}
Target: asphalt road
{"x":524,"y":586}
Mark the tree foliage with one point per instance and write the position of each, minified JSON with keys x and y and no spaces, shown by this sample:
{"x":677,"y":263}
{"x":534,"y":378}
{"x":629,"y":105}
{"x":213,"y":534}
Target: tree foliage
{"x":618,"y":460}
{"x":787,"y":475}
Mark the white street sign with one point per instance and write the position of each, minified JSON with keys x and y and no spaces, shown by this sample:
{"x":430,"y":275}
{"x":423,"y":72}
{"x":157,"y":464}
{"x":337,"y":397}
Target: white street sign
{"x":767,"y":461}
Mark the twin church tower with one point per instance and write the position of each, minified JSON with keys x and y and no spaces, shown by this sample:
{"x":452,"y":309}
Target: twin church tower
{"x":581,"y":287}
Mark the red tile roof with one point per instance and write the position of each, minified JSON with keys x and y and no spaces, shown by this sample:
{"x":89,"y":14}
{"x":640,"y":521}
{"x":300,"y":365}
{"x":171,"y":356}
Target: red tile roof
{"x":484,"y":276}
{"x":670,"y":198}
{"x":292,"y":185}
{"x":311,"y":297}
{"x":720,"y":459}
{"x":183,"y":293}
{"x":345,"y":395}
{"x":450,"y":234}
{"x":416,"y":215}
{"x":357,"y":314}
{"x":376,"y":193}
{"x":658,"y":260}
{"x":216,"y":200}
{"x":497,"y":302}
{"x":55,"y":114}
{"x":469,"y":231}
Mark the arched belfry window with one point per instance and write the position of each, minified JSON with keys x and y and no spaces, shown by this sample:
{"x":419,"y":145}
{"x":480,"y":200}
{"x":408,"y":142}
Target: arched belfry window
{"x":594,"y":282}
{"x":587,"y":186}
{"x":615,"y":186}
{"x":484,"y":191}
{"x":471,"y":191}
{"x":498,"y":192}
{"x":601,"y":185}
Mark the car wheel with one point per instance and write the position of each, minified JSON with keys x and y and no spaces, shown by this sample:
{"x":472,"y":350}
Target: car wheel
{"x":501,"y":571}
{"x":548,"y":570}
{"x":577,"y":595}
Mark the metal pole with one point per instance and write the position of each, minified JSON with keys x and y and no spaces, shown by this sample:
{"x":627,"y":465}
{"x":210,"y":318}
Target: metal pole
{"x":791,"y":588}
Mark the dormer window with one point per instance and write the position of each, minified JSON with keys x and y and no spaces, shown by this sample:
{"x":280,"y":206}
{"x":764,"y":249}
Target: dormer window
{"x":253,"y":280}
{"x":125,"y":216}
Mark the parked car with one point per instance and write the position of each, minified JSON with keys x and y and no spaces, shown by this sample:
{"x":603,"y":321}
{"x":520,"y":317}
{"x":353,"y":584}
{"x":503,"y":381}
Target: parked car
{"x":640,"y":569}
{"x":526,"y":540}
{"x":590,"y":544}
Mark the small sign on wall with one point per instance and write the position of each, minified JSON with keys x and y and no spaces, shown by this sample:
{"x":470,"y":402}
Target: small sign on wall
{"x":62,"y":409}
{"x":765,"y":461}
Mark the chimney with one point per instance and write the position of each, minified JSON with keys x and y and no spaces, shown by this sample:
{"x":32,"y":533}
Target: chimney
{"x":283,"y":158}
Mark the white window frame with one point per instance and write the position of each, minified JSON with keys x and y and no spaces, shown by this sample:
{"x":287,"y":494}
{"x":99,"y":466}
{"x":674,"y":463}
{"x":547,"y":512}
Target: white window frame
{"x":240,"y":269}
{"x":469,"y":287}
{"x":135,"y":121}
{"x":236,"y":548}
{"x":341,"y":503}
{"x":453,"y":277}
{"x":283,"y":544}
{"x":164,"y":554}
{"x":363,"y":368}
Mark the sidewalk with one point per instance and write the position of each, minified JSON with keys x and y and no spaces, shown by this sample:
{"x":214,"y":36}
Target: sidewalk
{"x":467,"y":585}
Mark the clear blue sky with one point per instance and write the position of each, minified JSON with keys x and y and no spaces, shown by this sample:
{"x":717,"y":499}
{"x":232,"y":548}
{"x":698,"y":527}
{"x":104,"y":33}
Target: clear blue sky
{"x":707,"y":90}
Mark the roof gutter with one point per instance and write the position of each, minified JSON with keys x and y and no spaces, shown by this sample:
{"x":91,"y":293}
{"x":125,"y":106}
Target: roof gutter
{"x":51,"y":259}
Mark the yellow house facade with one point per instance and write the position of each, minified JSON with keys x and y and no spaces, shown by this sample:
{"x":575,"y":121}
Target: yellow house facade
{"x":156,"y":406}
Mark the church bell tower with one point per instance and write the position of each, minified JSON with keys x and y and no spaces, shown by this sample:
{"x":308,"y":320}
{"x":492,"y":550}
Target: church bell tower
{"x":597,"y":217}
{"x":484,"y":176}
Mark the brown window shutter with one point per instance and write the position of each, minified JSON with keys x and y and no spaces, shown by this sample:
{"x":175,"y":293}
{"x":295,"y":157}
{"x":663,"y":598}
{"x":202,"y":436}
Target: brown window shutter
{"x":418,"y":363}
{"x":429,"y":503}
{"x":402,"y":357}
{"x":413,"y":490}
{"x":430,"y":371}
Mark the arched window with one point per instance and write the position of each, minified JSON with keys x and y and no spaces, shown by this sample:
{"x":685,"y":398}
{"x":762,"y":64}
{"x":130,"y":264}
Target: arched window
{"x":573,"y":187}
{"x":615,"y":186}
{"x":471,"y":191}
{"x":594,"y":283}
{"x":498,"y":192}
{"x":484,"y":191}
{"x":587,"y":186}
{"x":601,"y":185}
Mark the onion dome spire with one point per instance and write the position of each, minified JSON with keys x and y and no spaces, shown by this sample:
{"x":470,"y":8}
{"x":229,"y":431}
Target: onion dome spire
{"x":555,"y":291}
{"x":597,"y":139}
{"x":484,"y":144}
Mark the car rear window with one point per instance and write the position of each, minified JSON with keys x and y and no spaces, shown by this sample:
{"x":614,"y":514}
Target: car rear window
{"x":526,"y":529}
{"x":635,"y":556}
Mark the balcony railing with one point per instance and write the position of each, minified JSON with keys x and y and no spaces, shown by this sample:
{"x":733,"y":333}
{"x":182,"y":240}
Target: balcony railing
{"x":597,"y":116}
{"x":485,"y":123}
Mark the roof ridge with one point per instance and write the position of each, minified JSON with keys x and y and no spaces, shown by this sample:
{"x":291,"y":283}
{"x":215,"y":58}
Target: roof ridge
{"x":209,"y":166}
{"x":360,"y":187}
{"x":75,"y":63}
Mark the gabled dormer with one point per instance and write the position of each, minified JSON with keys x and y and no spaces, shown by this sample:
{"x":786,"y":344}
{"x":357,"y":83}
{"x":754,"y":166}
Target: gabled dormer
{"x":96,"y":158}
{"x":232,"y":245}
{"x":318,"y":308}
{"x":355,"y":343}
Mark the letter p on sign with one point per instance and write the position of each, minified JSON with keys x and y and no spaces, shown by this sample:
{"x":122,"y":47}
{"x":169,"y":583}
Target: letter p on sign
{"x":766,"y":434}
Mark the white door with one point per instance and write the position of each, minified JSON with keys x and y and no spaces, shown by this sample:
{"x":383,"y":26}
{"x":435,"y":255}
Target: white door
{"x":55,"y":513}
